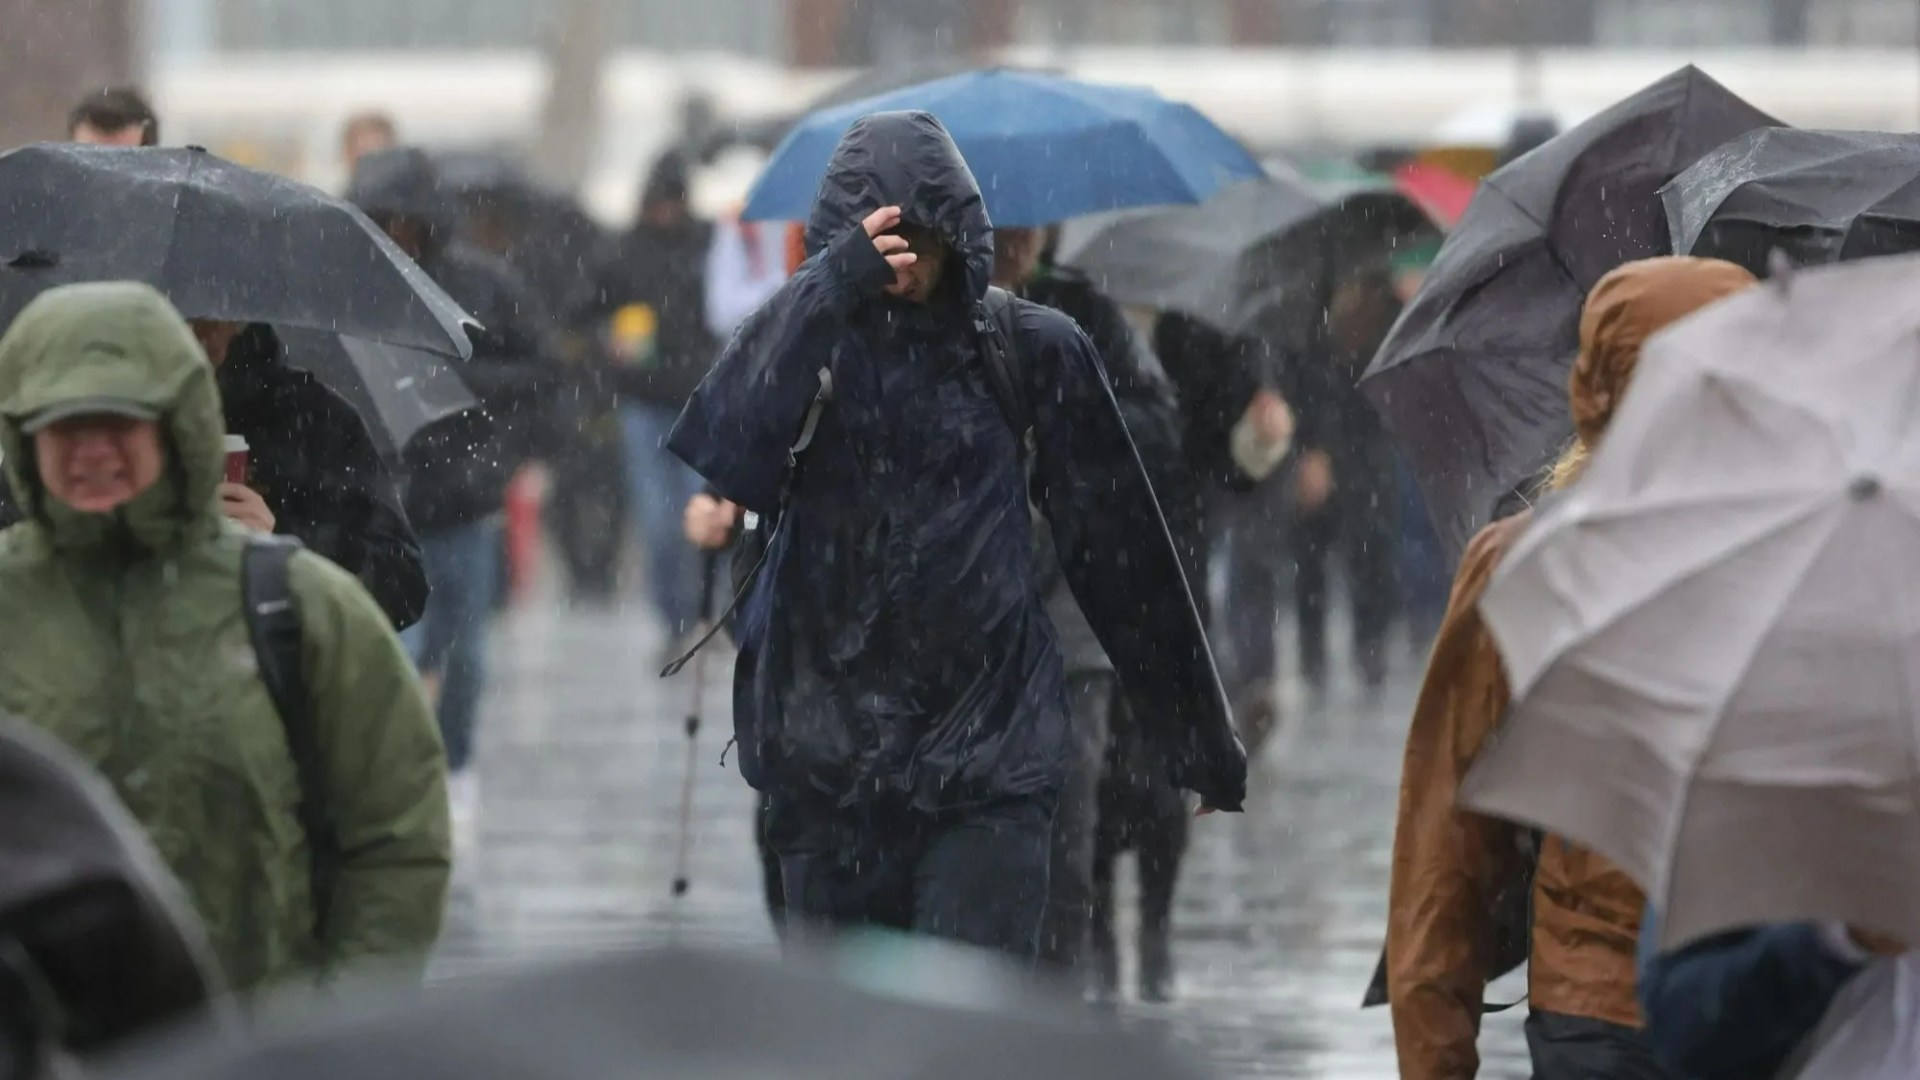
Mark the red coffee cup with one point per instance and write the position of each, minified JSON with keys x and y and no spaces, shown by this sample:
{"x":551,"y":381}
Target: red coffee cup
{"x":236,"y":459}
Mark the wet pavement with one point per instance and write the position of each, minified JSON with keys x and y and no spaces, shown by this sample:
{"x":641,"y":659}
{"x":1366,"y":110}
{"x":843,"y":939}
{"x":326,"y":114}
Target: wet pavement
{"x":581,"y":760}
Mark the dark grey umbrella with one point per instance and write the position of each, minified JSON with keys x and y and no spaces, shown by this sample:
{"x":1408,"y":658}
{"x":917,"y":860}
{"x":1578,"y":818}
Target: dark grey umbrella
{"x":1226,"y":260}
{"x":674,"y":1014}
{"x":1819,"y":196}
{"x":97,"y":942}
{"x":221,"y":241}
{"x":1472,"y":381}
{"x":396,"y":390}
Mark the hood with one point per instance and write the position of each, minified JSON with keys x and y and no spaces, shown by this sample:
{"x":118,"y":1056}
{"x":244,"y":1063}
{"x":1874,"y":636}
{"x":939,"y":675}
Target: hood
{"x":906,"y":159}
{"x":1626,"y":307}
{"x":401,"y":182}
{"x":120,"y":341}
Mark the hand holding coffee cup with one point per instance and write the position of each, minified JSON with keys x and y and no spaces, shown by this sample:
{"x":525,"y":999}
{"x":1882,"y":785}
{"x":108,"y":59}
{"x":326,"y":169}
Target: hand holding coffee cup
{"x":239,"y":502}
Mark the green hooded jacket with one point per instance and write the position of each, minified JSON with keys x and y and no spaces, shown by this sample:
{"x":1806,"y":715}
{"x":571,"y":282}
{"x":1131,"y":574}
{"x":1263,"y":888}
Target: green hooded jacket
{"x":127,"y":639}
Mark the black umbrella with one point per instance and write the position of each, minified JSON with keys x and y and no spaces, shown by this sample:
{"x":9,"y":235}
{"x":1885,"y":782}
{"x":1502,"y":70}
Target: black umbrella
{"x":1227,"y":259}
{"x":1473,"y":378}
{"x":1819,"y":196}
{"x":678,"y":1014}
{"x":396,"y":390}
{"x":97,"y":941}
{"x":221,"y":241}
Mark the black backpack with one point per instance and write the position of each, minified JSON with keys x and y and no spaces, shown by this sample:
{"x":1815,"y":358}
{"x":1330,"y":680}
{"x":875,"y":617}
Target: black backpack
{"x":273,"y":623}
{"x":993,"y":323}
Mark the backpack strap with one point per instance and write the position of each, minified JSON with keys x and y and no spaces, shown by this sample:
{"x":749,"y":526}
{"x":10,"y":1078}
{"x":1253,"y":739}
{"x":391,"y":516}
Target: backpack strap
{"x":273,"y":623}
{"x":993,"y":320}
{"x":757,"y":539}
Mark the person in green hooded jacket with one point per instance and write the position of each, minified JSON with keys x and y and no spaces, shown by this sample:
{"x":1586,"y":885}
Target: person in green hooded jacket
{"x":127,"y":639}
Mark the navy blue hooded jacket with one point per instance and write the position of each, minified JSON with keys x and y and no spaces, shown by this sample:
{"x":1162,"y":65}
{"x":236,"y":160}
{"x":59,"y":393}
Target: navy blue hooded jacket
{"x":895,"y":647}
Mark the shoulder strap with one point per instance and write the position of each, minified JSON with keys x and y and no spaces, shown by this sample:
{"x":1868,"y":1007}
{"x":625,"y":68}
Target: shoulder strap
{"x":273,"y":623}
{"x":1000,"y":354}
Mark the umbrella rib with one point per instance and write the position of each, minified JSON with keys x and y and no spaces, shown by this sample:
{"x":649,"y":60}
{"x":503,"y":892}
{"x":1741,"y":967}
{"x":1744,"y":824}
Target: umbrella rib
{"x":1698,"y":764}
{"x":173,"y":223}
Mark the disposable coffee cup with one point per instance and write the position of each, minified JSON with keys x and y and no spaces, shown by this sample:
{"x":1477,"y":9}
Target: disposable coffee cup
{"x":236,"y":459}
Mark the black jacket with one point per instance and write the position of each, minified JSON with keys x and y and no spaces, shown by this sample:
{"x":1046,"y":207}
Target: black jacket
{"x":312,"y":462}
{"x":895,"y":650}
{"x":1217,"y":376}
{"x":457,"y":469}
{"x":664,"y":269}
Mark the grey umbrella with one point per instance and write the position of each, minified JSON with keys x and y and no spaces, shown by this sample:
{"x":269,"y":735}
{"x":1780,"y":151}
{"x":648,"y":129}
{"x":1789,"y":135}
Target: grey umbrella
{"x":220,"y":240}
{"x":1472,"y":381}
{"x":97,"y":941}
{"x":396,"y":390}
{"x":675,"y":1014}
{"x":1713,"y":638}
{"x":1250,"y":247}
{"x":1819,"y":196}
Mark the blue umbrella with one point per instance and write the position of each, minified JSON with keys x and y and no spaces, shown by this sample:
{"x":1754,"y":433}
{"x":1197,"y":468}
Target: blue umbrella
{"x":1044,"y":148}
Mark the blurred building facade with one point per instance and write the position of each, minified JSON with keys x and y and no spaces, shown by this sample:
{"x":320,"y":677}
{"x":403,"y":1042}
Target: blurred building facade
{"x":849,"y":32}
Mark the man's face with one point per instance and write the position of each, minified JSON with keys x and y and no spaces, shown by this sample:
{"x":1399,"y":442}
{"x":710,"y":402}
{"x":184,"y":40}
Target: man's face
{"x":917,"y":283}
{"x":216,"y":337}
{"x":131,"y":135}
{"x":363,"y":139}
{"x":100,"y":462}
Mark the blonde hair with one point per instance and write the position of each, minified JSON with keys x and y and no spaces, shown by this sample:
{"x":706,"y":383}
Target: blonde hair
{"x":1571,"y":463}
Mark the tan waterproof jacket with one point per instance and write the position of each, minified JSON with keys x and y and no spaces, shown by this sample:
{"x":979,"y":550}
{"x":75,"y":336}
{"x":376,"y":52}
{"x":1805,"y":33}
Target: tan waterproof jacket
{"x":1449,"y":864}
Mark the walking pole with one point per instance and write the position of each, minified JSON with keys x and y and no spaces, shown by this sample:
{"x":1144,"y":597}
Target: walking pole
{"x":709,"y":570}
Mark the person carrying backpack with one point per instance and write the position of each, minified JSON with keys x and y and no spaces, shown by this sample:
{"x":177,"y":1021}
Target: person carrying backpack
{"x":248,"y":701}
{"x":900,"y":694}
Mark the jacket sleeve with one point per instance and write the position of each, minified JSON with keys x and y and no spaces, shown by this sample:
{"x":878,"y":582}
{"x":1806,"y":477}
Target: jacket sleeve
{"x":385,"y":775}
{"x":1119,"y":560}
{"x":1448,"y":864}
{"x":740,"y":423}
{"x":1737,"y":1005}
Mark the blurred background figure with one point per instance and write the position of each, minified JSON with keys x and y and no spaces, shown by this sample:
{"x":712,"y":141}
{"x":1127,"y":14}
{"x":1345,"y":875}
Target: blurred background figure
{"x":116,"y":116}
{"x":647,"y":294}
{"x":457,"y":470}
{"x":364,"y":133}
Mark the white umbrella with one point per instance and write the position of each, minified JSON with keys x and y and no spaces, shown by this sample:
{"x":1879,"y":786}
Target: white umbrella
{"x":1713,"y":639}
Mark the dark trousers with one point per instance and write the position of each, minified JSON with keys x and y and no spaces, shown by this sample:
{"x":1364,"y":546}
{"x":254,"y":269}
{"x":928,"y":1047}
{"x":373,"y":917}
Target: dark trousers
{"x":1360,"y":525}
{"x":1581,"y":1048}
{"x":1076,"y":824}
{"x":976,"y":876}
{"x":587,"y":511}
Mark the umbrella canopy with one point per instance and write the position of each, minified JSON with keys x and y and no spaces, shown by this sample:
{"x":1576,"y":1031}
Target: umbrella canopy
{"x":84,"y":894}
{"x":1820,"y":196}
{"x":1472,"y":381}
{"x":674,"y":1014}
{"x":1235,"y":255}
{"x":1711,"y":647}
{"x":1044,"y":148}
{"x":397,"y":391}
{"x":221,"y":241}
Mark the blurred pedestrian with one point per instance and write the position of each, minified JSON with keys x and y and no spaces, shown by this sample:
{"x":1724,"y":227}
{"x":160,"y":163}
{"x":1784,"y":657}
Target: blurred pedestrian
{"x":1449,"y":865}
{"x":1238,"y":430}
{"x":116,"y":116}
{"x":1789,"y":1001}
{"x":1152,"y":414}
{"x":1345,"y":494}
{"x":901,"y":696}
{"x":367,"y":132}
{"x":144,"y":657}
{"x":648,"y":295}
{"x":457,"y":470}
{"x":312,"y":471}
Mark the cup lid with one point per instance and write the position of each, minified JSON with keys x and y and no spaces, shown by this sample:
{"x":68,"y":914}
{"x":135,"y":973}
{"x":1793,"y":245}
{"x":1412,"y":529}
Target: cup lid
{"x":236,"y":444}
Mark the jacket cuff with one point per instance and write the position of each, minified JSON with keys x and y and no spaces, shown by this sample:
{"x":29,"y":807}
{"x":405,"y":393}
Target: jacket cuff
{"x":857,"y":264}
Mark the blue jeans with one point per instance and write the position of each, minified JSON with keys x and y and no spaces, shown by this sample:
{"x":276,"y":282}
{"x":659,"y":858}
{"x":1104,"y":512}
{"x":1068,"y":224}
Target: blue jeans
{"x":977,"y":876}
{"x":463,"y":570}
{"x":662,"y":486}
